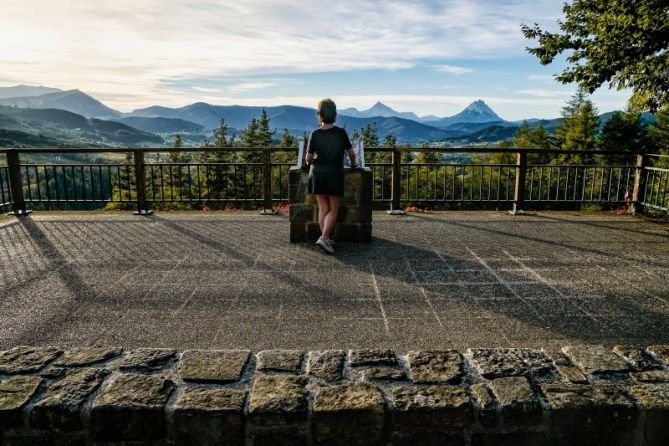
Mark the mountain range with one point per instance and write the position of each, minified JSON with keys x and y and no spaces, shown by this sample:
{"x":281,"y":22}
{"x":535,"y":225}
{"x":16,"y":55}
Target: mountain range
{"x":74,"y":117}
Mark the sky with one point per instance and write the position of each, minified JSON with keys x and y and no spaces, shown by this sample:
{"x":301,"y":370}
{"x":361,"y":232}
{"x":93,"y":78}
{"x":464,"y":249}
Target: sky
{"x":426,"y":56}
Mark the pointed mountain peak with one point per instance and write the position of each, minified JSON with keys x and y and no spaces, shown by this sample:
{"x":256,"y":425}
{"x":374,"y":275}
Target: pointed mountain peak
{"x":380,"y":106}
{"x":479,"y":106}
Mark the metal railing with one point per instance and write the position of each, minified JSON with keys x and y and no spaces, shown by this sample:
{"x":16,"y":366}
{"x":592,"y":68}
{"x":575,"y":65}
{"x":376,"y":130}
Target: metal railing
{"x":241,"y":176}
{"x":5,"y":194}
{"x":655,"y":182}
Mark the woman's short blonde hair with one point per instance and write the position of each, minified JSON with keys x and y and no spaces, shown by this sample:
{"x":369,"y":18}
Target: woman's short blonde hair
{"x":327,"y":111}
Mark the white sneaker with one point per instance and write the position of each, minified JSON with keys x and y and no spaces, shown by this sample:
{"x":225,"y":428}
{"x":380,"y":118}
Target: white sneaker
{"x":325,"y":244}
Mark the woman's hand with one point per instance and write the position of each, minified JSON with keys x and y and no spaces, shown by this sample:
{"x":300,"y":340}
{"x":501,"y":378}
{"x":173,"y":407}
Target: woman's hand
{"x":353,"y":162}
{"x":309,"y":158}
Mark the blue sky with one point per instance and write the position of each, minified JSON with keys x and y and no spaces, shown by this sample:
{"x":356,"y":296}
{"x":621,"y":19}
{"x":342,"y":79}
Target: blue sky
{"x":430,"y":57}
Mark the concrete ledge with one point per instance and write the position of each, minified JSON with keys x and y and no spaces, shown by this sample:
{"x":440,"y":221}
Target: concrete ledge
{"x":578,"y":395}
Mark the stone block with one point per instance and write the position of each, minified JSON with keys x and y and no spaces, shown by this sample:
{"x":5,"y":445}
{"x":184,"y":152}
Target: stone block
{"x":509,"y":439}
{"x":430,"y":408}
{"x":25,"y":359}
{"x":502,"y":362}
{"x":298,"y":233}
{"x":377,"y":356}
{"x":517,"y":402}
{"x":147,"y":359}
{"x":660,"y":351}
{"x":84,"y":356}
{"x":596,"y":359}
{"x":289,"y":361}
{"x":486,"y":405}
{"x":572,"y":374}
{"x":278,"y":400}
{"x":59,"y":408}
{"x":638,"y":358}
{"x":654,"y":399}
{"x":15,"y":392}
{"x":597,"y":414}
{"x":435,"y":367}
{"x":213,"y":366}
{"x":352,"y":414}
{"x":204,"y":416}
{"x":651,"y":376}
{"x":131,"y":408}
{"x":313,"y":231}
{"x":355,"y":214}
{"x":301,"y":213}
{"x":270,"y":438}
{"x":327,"y":364}
{"x":427,"y":439}
{"x":383,"y":374}
{"x":359,"y":214}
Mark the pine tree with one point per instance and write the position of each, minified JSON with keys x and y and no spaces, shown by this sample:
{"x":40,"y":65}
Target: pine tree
{"x":580,"y":126}
{"x":390,"y":141}
{"x":249,"y":136}
{"x":659,"y":132}
{"x":623,"y":131}
{"x":264,"y":134}
{"x":287,"y":140}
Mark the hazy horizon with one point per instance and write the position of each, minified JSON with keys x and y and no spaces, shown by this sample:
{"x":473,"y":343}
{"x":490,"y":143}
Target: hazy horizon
{"x":427,"y":57}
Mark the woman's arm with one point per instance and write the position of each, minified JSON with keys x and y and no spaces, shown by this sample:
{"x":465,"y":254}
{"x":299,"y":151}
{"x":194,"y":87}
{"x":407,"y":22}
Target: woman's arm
{"x":309,"y":158}
{"x":351,"y":157}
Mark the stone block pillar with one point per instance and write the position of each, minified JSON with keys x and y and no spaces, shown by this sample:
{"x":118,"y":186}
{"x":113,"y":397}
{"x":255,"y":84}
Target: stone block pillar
{"x":354,"y":223}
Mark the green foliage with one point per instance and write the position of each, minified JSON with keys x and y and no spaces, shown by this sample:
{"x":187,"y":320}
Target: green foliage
{"x":623,"y":42}
{"x":287,"y":140}
{"x":370,"y":137}
{"x":659,"y":132}
{"x":624,"y":131}
{"x":176,"y":156}
{"x":580,"y":127}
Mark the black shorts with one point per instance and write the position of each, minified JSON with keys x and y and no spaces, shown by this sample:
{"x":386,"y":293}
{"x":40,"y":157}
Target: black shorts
{"x":327,"y":182}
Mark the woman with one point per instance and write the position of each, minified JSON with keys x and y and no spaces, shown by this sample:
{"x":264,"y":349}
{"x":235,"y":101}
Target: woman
{"x":325,"y":154}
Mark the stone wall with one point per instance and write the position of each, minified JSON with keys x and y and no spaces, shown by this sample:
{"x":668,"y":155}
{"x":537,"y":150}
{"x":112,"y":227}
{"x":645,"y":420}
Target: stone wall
{"x":354,"y":222}
{"x":579,"y":395}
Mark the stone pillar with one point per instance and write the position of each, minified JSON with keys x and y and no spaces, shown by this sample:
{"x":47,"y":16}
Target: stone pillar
{"x":354,"y":223}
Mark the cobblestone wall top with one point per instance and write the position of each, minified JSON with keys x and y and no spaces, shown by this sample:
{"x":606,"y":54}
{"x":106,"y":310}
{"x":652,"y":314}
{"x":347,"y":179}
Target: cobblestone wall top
{"x":578,"y":395}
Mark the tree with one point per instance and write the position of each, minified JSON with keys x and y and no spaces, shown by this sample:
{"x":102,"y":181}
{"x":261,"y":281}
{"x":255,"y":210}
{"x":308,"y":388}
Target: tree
{"x":287,"y":140}
{"x":370,"y":137}
{"x":580,"y":126}
{"x":623,"y":131}
{"x":390,"y":141}
{"x":249,"y":136}
{"x":264,"y":134}
{"x":176,"y":156}
{"x":623,"y":42}
{"x":659,"y":132}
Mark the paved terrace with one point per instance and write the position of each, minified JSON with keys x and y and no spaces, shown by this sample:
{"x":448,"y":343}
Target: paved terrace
{"x":232,"y":280}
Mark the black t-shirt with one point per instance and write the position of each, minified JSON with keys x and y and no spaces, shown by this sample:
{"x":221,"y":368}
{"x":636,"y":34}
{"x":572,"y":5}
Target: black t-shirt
{"x":330,"y":146}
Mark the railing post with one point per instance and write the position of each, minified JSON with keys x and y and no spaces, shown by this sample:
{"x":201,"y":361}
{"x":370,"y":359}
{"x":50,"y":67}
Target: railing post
{"x":16,"y":184}
{"x":267,"y":182}
{"x":140,"y":184}
{"x":521,"y":174}
{"x":638,"y":193}
{"x":396,"y":181}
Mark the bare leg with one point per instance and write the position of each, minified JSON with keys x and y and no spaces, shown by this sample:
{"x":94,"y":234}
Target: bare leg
{"x":323,"y":209}
{"x":331,"y":217}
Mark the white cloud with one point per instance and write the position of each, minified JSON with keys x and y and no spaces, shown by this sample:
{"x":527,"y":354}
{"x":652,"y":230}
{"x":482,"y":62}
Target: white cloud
{"x":544,"y":93}
{"x":118,"y":49}
{"x":453,"y":69}
{"x":541,"y":77}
